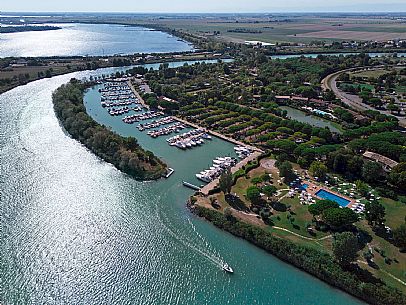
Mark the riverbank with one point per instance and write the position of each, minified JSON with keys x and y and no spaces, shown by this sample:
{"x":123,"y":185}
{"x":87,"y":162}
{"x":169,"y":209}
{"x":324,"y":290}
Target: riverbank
{"x":31,"y":69}
{"x":27,"y":28}
{"x":105,"y":229}
{"x":124,"y":153}
{"x":317,"y":263}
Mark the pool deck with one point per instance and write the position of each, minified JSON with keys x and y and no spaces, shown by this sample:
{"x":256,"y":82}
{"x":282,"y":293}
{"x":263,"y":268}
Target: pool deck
{"x":313,"y":188}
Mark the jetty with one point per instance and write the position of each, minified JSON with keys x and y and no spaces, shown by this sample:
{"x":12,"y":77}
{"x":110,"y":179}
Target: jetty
{"x":190,"y":185}
{"x":219,"y":135}
{"x":170,"y":172}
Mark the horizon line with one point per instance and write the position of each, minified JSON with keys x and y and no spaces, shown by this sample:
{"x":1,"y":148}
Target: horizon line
{"x":259,"y":13}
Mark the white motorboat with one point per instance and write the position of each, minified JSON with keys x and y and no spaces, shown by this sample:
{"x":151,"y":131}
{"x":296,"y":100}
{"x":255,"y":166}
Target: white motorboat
{"x":227,"y":268}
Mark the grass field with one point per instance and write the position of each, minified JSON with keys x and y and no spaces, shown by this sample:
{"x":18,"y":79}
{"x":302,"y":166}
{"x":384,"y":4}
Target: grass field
{"x":392,"y":269}
{"x":292,"y":29}
{"x":370,"y":73}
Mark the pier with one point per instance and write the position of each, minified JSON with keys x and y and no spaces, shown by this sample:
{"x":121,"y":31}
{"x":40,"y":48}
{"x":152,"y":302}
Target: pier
{"x":170,"y":172}
{"x":219,"y":135}
{"x":190,"y":185}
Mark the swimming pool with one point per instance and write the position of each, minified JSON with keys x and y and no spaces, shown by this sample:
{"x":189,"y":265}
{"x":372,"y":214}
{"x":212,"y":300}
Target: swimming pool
{"x":304,"y":186}
{"x":333,"y":197}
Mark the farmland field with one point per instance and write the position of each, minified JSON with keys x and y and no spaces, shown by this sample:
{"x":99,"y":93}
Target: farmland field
{"x":290,"y":29}
{"x":354,"y":35}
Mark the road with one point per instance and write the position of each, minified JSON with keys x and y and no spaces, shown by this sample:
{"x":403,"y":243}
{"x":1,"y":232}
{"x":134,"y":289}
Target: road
{"x":354,"y":101}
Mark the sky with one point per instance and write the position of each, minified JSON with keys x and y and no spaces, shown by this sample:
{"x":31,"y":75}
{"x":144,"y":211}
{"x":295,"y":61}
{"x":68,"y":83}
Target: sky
{"x":203,"y":6}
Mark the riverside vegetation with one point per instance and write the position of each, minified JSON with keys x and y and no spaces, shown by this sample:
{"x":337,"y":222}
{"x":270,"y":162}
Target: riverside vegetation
{"x":242,"y":99}
{"x":354,"y":280}
{"x":124,"y":153}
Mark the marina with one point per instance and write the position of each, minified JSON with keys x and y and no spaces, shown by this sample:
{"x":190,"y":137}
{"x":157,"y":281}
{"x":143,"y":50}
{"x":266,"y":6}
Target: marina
{"x":86,"y":217}
{"x":195,"y":137}
{"x":117,"y":96}
{"x":156,"y":123}
{"x":220,"y":165}
{"x":166,"y":130}
{"x":142,"y":117}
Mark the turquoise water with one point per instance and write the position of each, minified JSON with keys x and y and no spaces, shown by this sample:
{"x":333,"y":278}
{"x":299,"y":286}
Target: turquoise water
{"x":77,"y":231}
{"x":313,"y":120}
{"x":89,"y":39}
{"x":333,"y":197}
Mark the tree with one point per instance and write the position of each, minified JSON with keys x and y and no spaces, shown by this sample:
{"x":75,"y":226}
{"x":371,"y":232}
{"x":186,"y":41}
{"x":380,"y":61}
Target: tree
{"x":399,"y":236}
{"x":319,"y":207}
{"x":362,"y":187}
{"x":226,"y":182}
{"x":256,"y":180}
{"x":345,"y":248}
{"x":269,"y":190}
{"x":397,"y":177}
{"x":375,"y":213}
{"x":371,"y":171}
{"x":339,"y":217}
{"x":152,"y":102}
{"x":318,"y":169}
{"x":253,"y":194}
{"x":286,"y":170}
{"x":265,"y":177}
{"x":228,"y":214}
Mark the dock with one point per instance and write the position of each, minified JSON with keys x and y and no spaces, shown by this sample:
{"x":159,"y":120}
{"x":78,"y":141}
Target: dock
{"x":219,"y":135}
{"x":170,"y":172}
{"x":190,"y":185}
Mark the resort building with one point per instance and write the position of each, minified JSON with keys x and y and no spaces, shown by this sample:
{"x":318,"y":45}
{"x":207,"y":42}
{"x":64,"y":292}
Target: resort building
{"x":387,"y":163}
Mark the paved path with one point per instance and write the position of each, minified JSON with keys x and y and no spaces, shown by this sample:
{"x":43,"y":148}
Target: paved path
{"x":137,"y":95}
{"x":330,"y":82}
{"x":387,"y":273}
{"x":304,"y":237}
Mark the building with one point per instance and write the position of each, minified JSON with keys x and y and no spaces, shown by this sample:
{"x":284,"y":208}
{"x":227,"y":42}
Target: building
{"x":387,"y":163}
{"x":19,"y":63}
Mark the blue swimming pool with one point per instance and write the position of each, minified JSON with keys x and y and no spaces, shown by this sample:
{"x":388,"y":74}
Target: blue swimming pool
{"x":304,"y":186}
{"x":333,"y":197}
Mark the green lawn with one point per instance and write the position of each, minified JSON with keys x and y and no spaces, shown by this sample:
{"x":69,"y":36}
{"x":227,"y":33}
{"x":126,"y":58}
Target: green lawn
{"x":361,"y":86}
{"x":371,"y":73}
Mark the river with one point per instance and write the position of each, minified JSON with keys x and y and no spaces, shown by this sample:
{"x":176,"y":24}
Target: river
{"x":76,"y":39}
{"x":77,"y":231}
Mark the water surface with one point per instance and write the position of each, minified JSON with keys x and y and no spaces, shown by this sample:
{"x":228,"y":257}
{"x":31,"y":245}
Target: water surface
{"x":77,"y":231}
{"x":313,"y":120}
{"x":89,"y":39}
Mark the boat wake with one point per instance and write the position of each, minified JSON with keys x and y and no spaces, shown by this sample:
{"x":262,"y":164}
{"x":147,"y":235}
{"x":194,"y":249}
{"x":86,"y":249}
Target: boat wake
{"x":204,"y":248}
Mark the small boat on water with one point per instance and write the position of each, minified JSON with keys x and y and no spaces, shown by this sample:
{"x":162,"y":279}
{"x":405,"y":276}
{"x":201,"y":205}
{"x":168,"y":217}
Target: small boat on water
{"x":227,"y":268}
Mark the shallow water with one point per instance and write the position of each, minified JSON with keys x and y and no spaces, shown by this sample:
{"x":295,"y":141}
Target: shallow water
{"x":77,"y":231}
{"x":313,"y":120}
{"x":89,"y":39}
